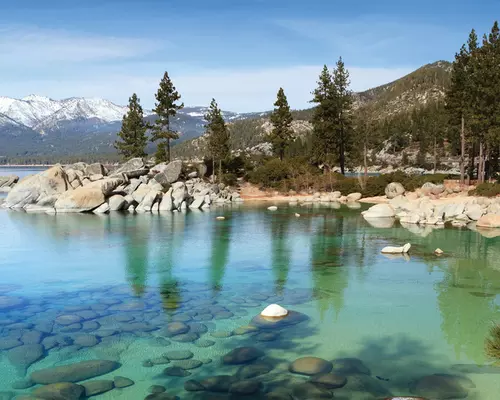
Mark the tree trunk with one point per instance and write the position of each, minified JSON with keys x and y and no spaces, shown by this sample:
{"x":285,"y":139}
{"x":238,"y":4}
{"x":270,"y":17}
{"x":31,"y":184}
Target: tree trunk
{"x":365,"y":161}
{"x":435,"y":156}
{"x":220,"y":171}
{"x":167,"y":150}
{"x":213,"y":170}
{"x":342,"y":151}
{"x":480,"y":174}
{"x":462,"y":152}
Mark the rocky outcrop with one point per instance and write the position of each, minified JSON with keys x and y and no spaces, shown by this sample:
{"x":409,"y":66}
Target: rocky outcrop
{"x":394,"y":189}
{"x":133,"y":186}
{"x":379,"y":211}
{"x":489,"y":221}
{"x":80,"y":200}
{"x":34,"y":187}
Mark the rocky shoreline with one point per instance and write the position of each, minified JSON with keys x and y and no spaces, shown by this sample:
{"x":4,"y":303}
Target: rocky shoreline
{"x":135,"y":186}
{"x":433,"y":206}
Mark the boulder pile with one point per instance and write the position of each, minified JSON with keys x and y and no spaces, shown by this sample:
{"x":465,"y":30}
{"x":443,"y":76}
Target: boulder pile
{"x":428,"y":210}
{"x":134,"y":186}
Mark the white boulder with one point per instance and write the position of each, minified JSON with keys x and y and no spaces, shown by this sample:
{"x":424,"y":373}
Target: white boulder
{"x":397,"y":250}
{"x":274,"y":311}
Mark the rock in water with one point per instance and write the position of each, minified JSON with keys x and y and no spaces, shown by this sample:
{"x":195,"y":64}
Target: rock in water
{"x":379,"y":211}
{"x":59,"y":391}
{"x":122,"y":382}
{"x":274,"y":311}
{"x":272,"y":208}
{"x":93,"y":388}
{"x":24,"y":356}
{"x":310,"y":366}
{"x":10,"y":302}
{"x":489,"y":221}
{"x":442,"y":386}
{"x":80,"y":200}
{"x":242,"y":355}
{"x":330,"y":381}
{"x":350,"y":366}
{"x":394,"y":189}
{"x":74,"y":372}
{"x":353,"y":197}
{"x":397,"y":250}
{"x":30,"y":189}
{"x":438,"y":251}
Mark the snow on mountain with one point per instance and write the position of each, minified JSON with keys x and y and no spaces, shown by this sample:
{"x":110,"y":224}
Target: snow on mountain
{"x":40,"y":113}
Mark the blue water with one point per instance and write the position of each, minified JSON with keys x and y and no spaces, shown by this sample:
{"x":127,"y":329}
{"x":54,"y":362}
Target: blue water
{"x":403,"y":318}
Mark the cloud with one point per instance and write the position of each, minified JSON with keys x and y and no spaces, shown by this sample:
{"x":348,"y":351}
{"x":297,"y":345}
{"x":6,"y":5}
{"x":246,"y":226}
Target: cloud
{"x":32,"y":46}
{"x":235,"y":90}
{"x":375,"y":39}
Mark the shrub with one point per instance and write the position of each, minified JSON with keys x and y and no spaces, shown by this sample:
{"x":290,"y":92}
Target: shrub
{"x":492,"y":345}
{"x":487,"y":190}
{"x":229,"y":179}
{"x":271,"y":174}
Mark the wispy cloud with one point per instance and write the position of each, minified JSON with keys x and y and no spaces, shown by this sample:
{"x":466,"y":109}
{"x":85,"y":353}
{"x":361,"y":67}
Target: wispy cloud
{"x":375,"y":39}
{"x":28,"y":45}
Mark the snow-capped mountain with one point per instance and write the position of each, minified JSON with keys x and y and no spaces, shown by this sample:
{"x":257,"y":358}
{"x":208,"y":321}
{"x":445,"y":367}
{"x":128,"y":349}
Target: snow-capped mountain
{"x":41,"y":113}
{"x":39,"y":125}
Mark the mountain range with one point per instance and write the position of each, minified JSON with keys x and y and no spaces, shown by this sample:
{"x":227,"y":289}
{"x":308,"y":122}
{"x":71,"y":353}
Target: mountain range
{"x":40,"y":126}
{"x":37,"y":125}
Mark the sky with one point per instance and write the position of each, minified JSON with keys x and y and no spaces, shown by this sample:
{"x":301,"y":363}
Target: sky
{"x":237,"y":51}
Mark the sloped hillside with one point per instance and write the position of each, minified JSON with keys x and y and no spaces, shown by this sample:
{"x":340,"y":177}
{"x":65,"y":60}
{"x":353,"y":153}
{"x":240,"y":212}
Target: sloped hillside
{"x":421,"y":88}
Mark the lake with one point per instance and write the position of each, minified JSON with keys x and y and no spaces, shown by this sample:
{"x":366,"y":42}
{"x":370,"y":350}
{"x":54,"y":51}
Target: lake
{"x":115,"y":287}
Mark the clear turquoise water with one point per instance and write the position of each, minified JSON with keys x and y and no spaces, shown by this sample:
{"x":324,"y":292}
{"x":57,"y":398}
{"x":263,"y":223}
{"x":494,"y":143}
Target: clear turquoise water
{"x":404,"y":318}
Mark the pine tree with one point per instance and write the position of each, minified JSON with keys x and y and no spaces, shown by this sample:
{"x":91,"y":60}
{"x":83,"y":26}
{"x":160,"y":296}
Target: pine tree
{"x":217,"y":136}
{"x":133,"y":132}
{"x":166,"y":106}
{"x":367,"y":133}
{"x":343,"y":102}
{"x":457,"y":101}
{"x":323,"y":120}
{"x":281,"y":118}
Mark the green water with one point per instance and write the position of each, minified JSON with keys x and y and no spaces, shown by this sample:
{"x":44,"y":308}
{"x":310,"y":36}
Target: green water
{"x":403,"y":318}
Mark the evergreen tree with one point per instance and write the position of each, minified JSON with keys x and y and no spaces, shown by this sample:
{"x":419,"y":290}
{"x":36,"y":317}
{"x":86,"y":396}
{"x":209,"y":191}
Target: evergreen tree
{"x":343,"y":101}
{"x":457,"y":102}
{"x":166,"y":106}
{"x":133,"y":131}
{"x":332,"y":118}
{"x":281,"y":118}
{"x":367,"y":134}
{"x":323,"y":120}
{"x":217,"y":136}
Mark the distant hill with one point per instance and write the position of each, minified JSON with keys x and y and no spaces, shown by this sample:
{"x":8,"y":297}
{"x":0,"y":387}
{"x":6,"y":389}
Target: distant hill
{"x":420,"y":88}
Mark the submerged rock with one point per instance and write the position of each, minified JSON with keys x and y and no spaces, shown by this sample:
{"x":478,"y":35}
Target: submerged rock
{"x":310,"y":366}
{"x":24,"y":356}
{"x":349,"y":366}
{"x":76,"y":372}
{"x":245,"y":387}
{"x":309,"y":391}
{"x":93,"y":388}
{"x":292,"y":318}
{"x":122,"y":382}
{"x":11,"y":302}
{"x":179,"y":354}
{"x":442,"y":386}
{"x":329,"y":380}
{"x":254,"y":370}
{"x":59,"y":391}
{"x":219,"y":383}
{"x":242,"y":355}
